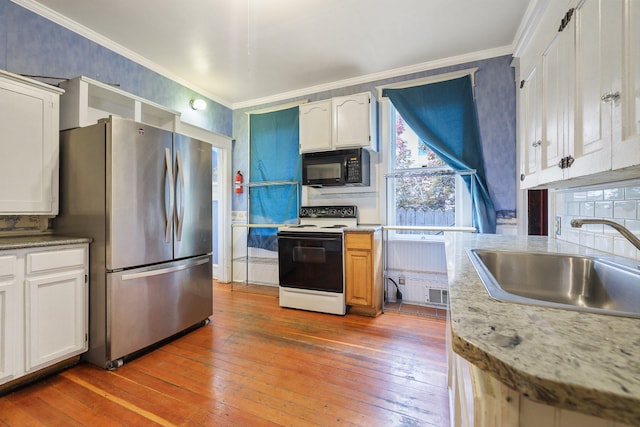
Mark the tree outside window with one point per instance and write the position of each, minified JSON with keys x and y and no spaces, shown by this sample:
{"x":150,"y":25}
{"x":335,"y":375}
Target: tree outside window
{"x":425,"y":186}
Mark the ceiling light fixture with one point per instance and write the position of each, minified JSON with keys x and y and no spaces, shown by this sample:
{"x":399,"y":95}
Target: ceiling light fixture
{"x":198,"y":104}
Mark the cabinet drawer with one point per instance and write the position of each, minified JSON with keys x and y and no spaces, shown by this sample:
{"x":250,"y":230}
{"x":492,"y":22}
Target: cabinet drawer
{"x":8,"y":265}
{"x":358,"y":241}
{"x":53,"y":260}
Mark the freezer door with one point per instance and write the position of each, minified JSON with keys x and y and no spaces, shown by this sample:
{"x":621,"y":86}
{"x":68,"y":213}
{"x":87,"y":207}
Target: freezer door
{"x":139,"y":193}
{"x":149,"y":304}
{"x":192,"y":218}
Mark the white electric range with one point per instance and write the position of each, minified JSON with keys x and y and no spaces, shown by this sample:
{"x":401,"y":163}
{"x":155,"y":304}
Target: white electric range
{"x":310,"y":259}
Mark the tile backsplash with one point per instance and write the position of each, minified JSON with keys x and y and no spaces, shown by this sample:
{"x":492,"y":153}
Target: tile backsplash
{"x":619,"y":202}
{"x":22,"y":224}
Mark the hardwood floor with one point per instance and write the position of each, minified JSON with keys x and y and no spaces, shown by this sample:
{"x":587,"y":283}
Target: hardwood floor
{"x":258,"y":364}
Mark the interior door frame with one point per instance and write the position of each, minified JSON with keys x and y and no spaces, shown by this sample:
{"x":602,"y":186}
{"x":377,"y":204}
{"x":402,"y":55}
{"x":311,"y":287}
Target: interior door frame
{"x":223,"y":144}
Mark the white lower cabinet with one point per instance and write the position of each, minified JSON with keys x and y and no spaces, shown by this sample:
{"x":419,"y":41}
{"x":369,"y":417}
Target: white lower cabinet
{"x":477,"y":399}
{"x":43,"y":308}
{"x":8,"y":318}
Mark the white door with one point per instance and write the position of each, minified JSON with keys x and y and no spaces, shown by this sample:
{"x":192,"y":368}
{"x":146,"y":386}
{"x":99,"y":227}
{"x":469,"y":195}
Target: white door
{"x":531,"y":130}
{"x":626,"y":127}
{"x":29,"y":151}
{"x":315,"y":126}
{"x":557,"y":106}
{"x":352,"y":121}
{"x":56,"y":325}
{"x":8,"y":321}
{"x":598,"y":39}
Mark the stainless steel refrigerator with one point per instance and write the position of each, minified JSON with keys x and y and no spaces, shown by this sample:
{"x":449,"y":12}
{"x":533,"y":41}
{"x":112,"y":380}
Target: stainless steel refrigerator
{"x":143,"y":195}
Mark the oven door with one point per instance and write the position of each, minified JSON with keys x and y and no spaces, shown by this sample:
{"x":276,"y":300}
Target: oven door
{"x":311,"y":261}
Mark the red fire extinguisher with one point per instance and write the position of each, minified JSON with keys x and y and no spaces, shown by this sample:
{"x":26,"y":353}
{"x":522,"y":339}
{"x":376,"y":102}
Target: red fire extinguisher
{"x":238,"y":183}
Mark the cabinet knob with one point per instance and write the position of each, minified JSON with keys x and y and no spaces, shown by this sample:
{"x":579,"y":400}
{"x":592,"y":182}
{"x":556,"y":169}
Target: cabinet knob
{"x":537,"y":143}
{"x":609,"y":97}
{"x":522,"y":177}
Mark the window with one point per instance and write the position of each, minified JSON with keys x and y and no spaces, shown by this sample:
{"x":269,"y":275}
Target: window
{"x":421,"y":189}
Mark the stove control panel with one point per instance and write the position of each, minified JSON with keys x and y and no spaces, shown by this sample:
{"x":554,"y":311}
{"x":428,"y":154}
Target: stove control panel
{"x":329,"y":212}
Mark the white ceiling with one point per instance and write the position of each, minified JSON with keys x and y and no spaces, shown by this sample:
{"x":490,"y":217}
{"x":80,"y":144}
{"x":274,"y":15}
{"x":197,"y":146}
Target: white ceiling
{"x":242,"y":52}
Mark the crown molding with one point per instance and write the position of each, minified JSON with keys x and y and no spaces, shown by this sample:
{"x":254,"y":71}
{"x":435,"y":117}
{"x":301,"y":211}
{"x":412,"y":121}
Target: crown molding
{"x":85,"y":32}
{"x":536,"y":6}
{"x":528,"y":25}
{"x":417,"y":68}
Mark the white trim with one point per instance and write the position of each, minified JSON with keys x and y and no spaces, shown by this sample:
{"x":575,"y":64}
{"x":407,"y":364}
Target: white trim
{"x":277,"y":107}
{"x":397,"y":72}
{"x":528,"y":25}
{"x":428,"y":80}
{"x":85,"y":32}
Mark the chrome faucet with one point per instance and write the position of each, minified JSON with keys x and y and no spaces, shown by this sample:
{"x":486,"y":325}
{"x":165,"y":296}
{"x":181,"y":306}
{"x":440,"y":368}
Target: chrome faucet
{"x":577,"y":223}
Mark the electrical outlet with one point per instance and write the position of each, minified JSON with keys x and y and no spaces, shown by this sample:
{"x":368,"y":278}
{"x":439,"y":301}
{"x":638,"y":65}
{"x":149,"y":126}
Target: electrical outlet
{"x":401,"y":280}
{"x":558,"y":225}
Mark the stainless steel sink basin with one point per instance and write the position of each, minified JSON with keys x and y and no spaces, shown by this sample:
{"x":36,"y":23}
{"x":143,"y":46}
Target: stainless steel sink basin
{"x":571,"y":282}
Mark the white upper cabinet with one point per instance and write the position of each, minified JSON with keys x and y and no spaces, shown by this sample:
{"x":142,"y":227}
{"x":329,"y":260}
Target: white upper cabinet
{"x":315,"y":126}
{"x":588,"y":55}
{"x":29,"y":114}
{"x":353,"y":121}
{"x":557,"y":106}
{"x":530,"y":116}
{"x":338,"y":123}
{"x":626,"y":109}
{"x":86,"y":101}
{"x":597,"y":73}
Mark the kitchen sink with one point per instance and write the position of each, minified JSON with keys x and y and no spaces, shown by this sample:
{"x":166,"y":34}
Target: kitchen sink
{"x":571,"y":282}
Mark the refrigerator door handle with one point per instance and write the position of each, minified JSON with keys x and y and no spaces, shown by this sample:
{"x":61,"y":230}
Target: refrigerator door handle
{"x":180,"y":179}
{"x":169,"y":216}
{"x":165,"y":270}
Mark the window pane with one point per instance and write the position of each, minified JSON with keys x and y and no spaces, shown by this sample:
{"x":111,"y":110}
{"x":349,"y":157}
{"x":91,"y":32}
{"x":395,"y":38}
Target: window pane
{"x":426,"y":196}
{"x":411,"y":152}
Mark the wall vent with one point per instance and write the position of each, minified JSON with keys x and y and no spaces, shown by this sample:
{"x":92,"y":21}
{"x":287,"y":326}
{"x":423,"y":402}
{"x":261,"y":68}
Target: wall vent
{"x":437,"y":296}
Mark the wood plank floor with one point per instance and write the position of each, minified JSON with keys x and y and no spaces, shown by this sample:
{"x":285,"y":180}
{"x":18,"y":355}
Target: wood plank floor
{"x":258,"y":364}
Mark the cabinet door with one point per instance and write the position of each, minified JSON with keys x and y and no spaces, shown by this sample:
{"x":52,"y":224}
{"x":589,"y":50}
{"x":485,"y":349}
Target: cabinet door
{"x":29,"y":152}
{"x":359,"y":283}
{"x":359,"y":269}
{"x":352,"y":121}
{"x":56,"y":315}
{"x":315,"y":126}
{"x":598,"y":40}
{"x":626,"y":127}
{"x":530,"y":143}
{"x":8,"y":318}
{"x":557,"y":103}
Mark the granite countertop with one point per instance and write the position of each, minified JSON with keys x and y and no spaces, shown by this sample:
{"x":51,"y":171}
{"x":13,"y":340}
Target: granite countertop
{"x":583,"y":362}
{"x":38,"y":240}
{"x":363,"y":228}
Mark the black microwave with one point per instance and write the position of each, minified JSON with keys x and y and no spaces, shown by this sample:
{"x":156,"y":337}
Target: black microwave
{"x":338,"y":167}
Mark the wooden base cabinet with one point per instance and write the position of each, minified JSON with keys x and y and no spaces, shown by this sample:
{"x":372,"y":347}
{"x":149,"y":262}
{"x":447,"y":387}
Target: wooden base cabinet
{"x":43,"y":308}
{"x":363,"y":272}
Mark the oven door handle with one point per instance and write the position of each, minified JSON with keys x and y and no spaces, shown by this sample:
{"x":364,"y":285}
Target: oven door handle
{"x":324,"y":239}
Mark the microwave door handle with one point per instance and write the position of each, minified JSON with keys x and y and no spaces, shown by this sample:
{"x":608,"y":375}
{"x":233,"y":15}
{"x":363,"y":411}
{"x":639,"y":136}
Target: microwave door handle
{"x":346,"y":169}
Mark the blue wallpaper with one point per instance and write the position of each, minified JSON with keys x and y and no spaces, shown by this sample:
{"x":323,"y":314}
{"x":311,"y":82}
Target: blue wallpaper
{"x":33,"y":45}
{"x":496,"y":103}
